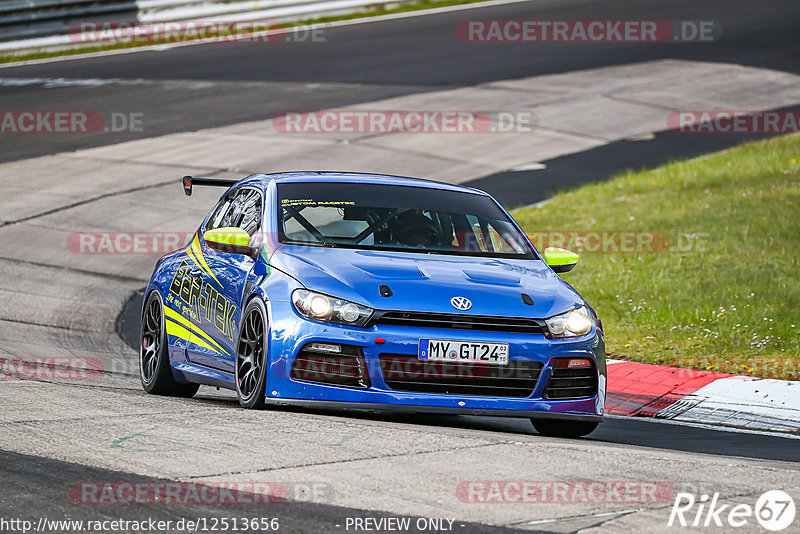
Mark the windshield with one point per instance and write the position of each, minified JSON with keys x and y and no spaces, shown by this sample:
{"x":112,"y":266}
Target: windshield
{"x":403,"y":218}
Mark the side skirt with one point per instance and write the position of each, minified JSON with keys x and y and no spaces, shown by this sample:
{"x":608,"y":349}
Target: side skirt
{"x":203,"y":375}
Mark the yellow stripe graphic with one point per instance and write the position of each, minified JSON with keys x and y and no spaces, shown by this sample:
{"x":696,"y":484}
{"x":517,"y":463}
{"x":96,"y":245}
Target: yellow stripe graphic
{"x":190,"y":252}
{"x":174,"y":329}
{"x":199,"y":253}
{"x":175,"y":316}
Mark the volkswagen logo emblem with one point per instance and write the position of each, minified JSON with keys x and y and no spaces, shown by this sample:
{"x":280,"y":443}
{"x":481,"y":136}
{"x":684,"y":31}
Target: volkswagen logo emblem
{"x":461,"y":303}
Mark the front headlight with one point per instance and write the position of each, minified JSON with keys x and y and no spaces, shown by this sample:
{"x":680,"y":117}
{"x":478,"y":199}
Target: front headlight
{"x":575,"y":322}
{"x":319,"y":307}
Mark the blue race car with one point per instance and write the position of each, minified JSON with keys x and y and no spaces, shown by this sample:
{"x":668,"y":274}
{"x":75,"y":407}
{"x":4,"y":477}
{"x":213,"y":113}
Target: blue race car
{"x":373,"y":292}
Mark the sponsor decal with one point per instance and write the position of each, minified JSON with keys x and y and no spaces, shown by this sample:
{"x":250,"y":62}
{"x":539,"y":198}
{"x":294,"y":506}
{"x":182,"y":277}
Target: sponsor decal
{"x":195,"y":300}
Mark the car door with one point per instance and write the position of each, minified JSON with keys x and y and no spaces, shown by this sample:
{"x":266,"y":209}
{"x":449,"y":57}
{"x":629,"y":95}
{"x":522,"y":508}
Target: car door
{"x":225,"y":275}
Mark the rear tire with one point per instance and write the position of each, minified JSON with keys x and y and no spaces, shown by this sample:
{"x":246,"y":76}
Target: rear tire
{"x":564,"y":429}
{"x":154,"y":369}
{"x":251,"y":356}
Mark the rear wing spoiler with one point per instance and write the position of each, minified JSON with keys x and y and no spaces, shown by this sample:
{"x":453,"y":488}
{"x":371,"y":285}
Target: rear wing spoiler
{"x":188,"y":182}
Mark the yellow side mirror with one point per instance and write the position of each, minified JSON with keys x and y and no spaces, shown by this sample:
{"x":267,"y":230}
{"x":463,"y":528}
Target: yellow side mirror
{"x":229,"y":239}
{"x":560,"y":260}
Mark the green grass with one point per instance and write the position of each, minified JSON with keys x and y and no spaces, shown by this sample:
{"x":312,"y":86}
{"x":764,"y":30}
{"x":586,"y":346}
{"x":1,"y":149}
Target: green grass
{"x":725,"y":296}
{"x":374,"y":11}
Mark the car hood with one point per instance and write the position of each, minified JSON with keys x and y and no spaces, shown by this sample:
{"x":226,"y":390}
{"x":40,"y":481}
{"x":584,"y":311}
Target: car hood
{"x":427,"y":282}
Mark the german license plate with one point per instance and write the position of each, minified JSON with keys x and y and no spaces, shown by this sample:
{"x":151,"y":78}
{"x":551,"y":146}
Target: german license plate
{"x":463,"y":351}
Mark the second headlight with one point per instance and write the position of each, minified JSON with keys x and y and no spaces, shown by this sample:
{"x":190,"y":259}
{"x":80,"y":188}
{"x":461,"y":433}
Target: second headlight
{"x":319,"y":307}
{"x":575,"y":322}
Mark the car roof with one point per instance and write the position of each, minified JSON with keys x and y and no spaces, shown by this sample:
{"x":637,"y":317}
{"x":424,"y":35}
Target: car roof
{"x":351,"y":177}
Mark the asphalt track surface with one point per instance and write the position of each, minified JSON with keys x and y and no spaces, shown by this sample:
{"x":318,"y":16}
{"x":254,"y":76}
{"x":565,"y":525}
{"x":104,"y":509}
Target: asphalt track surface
{"x":594,"y":165}
{"x":362,"y":63}
{"x":236,"y":82}
{"x":39,"y":489}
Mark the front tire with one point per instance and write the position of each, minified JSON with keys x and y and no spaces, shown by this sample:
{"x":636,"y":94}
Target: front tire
{"x":154,"y":369}
{"x":251,"y":356}
{"x":564,"y":429}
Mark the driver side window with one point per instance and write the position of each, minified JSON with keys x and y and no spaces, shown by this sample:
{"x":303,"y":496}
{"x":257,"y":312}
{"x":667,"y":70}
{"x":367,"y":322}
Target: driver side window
{"x":241,"y":208}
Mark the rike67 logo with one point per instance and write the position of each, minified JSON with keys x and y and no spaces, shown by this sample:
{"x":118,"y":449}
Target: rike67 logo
{"x":774,"y":511}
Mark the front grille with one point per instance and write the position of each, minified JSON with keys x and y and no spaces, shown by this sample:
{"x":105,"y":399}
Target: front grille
{"x":572,"y":383}
{"x":484,"y":323}
{"x":338,"y":369}
{"x":402,"y":372}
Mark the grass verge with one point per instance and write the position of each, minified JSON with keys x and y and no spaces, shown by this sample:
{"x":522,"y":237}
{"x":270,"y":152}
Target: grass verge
{"x":375,"y":11}
{"x":725,"y":294}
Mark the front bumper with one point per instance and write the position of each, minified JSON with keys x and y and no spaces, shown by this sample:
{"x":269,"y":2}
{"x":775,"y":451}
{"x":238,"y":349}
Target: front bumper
{"x":290,"y":332}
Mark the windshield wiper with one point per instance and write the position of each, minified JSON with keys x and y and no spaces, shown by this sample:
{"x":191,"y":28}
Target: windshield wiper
{"x":327,"y":244}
